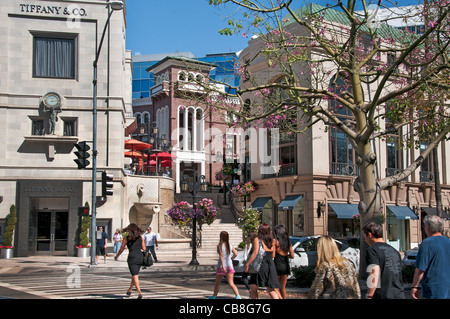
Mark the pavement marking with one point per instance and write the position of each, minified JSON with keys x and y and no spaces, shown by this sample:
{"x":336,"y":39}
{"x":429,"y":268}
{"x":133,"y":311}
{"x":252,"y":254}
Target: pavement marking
{"x":95,"y":286}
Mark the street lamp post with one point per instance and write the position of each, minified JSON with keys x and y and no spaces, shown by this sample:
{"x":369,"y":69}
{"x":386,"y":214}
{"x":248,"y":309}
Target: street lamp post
{"x":160,"y":144}
{"x":115,"y":5}
{"x":195,"y":184}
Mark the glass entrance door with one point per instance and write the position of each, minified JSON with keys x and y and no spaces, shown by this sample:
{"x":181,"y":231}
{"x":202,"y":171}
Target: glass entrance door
{"x":52,"y":232}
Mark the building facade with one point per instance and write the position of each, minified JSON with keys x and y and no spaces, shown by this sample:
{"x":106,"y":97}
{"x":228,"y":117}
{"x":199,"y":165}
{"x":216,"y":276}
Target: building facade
{"x":46,"y":103}
{"x":182,"y":114}
{"x":312,"y":192}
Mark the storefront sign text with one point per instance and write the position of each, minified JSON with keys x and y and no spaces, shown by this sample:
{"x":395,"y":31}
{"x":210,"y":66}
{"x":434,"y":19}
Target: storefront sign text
{"x":71,"y":10}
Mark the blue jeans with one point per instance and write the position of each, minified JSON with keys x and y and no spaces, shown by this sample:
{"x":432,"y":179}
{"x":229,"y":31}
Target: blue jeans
{"x":117,"y":246}
{"x":152,"y":251}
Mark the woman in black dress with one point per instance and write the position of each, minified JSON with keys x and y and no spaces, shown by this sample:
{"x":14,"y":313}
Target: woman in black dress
{"x":283,"y":251}
{"x":136,"y":246}
{"x":267,"y":274}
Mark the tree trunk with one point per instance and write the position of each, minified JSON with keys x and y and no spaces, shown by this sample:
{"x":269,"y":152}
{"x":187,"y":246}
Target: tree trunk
{"x":370,"y":196}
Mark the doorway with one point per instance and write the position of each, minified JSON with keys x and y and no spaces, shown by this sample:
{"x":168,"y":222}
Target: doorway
{"x":49,"y":226}
{"x":51,"y":232}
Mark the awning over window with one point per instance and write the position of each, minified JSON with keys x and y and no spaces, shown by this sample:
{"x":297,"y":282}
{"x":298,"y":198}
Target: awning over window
{"x":289,"y":202}
{"x":433,"y":211}
{"x":259,"y":203}
{"x":344,"y":211}
{"x":402,"y":212}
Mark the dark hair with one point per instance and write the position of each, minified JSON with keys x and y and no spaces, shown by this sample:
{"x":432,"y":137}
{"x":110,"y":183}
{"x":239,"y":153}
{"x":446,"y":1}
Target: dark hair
{"x":374,"y":228}
{"x":224,"y":239}
{"x":265,"y":234}
{"x":282,"y":236}
{"x":134,"y":231}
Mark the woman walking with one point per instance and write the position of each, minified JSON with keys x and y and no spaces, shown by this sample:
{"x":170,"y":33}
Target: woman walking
{"x":136,"y":246}
{"x":282,"y":252}
{"x":335,"y":275}
{"x":117,"y":241}
{"x":225,"y":265}
{"x":267,"y":274}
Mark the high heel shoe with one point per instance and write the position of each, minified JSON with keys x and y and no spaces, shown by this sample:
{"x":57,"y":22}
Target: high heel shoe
{"x":129,"y":293}
{"x":139,"y":297}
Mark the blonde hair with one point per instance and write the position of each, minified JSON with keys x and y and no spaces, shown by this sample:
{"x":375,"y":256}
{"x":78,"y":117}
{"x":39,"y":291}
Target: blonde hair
{"x":328,"y":252}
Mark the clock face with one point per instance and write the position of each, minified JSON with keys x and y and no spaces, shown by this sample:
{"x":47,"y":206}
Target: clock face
{"x":52,"y":100}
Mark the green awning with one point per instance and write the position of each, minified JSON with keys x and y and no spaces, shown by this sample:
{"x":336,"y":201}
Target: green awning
{"x":344,"y":211}
{"x":289,"y":202}
{"x":402,"y":212}
{"x":259,"y":203}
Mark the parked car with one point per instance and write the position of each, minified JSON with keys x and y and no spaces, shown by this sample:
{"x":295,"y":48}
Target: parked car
{"x":410,"y":257}
{"x":305,"y":254}
{"x":354,"y":242}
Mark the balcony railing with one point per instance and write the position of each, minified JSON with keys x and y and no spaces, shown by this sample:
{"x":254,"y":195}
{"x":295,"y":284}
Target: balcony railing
{"x":285,"y":170}
{"x":426,"y":177}
{"x":345,"y":169}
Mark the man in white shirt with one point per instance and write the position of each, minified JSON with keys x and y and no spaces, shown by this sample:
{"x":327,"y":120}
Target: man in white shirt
{"x":150,"y":242}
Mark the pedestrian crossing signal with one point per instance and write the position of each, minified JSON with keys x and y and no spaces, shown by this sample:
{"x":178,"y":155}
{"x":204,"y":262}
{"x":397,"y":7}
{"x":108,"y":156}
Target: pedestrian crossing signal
{"x":83,"y":211}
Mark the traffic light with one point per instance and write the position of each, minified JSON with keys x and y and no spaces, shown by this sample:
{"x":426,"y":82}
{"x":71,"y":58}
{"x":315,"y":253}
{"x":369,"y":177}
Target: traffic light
{"x":83,"y":210}
{"x":107,"y":184}
{"x":82,"y":155}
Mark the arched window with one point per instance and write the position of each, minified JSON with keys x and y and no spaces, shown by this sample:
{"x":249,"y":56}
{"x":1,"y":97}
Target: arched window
{"x":181,"y":76}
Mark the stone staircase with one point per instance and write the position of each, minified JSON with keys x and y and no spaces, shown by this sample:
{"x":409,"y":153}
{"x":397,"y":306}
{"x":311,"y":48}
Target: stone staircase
{"x":181,"y":248}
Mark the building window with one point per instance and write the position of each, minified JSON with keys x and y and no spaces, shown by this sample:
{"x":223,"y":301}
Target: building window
{"x":341,"y":149}
{"x":54,"y":57}
{"x":37,"y":127}
{"x":70,"y":127}
{"x":427,"y":167}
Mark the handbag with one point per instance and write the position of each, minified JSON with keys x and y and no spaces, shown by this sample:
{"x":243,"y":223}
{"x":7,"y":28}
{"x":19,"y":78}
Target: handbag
{"x":253,"y":268}
{"x":147,"y":260}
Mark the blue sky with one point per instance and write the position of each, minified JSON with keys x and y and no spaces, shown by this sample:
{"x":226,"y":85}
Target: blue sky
{"x":155,"y":26}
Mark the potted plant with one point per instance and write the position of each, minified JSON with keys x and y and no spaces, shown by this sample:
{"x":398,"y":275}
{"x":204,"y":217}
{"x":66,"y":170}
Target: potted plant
{"x":83,"y":247}
{"x":7,"y":250}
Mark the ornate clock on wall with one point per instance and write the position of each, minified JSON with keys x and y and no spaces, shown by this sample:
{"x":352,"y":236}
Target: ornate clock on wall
{"x":52,"y":100}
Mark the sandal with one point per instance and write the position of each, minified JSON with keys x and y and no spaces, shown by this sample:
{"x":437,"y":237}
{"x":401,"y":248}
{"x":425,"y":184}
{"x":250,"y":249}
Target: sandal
{"x":129,"y":293}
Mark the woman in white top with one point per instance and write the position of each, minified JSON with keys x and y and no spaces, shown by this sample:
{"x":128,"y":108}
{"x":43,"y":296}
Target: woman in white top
{"x":225,"y":264}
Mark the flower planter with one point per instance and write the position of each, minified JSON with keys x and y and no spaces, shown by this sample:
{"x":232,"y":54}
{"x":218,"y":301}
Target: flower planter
{"x":83,"y":252}
{"x":7,"y":253}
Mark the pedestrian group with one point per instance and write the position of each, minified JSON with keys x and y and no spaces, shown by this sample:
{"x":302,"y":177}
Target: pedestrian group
{"x":267,"y":255}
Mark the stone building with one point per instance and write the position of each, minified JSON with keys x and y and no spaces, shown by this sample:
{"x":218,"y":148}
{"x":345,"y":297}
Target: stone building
{"x":312,"y":192}
{"x":46,"y":103}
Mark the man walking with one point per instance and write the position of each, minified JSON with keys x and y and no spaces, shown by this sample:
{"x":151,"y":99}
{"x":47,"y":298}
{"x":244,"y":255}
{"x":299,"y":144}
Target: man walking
{"x":102,"y":240}
{"x":150,"y":242}
{"x":432,"y":263}
{"x":384,"y":266}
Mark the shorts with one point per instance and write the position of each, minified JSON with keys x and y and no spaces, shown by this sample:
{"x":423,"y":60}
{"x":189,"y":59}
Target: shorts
{"x":100,"y":250}
{"x":228,"y":270}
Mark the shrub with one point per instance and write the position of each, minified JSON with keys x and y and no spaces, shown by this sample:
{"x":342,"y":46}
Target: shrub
{"x":249,"y":222}
{"x":408,"y":273}
{"x":85,"y":225}
{"x":303,"y":276}
{"x":10,"y":227}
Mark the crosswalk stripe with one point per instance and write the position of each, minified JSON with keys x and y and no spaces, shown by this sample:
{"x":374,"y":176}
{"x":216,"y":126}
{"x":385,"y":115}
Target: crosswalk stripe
{"x":93,"y":286}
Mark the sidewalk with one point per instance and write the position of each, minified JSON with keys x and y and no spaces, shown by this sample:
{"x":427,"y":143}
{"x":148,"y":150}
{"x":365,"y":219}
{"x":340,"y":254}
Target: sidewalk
{"x":165,"y":263}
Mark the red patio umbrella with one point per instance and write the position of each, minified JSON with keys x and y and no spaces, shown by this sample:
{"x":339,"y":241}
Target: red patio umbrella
{"x":134,"y":154}
{"x":163,"y":156}
{"x":133,"y":144}
{"x":164,"y":163}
